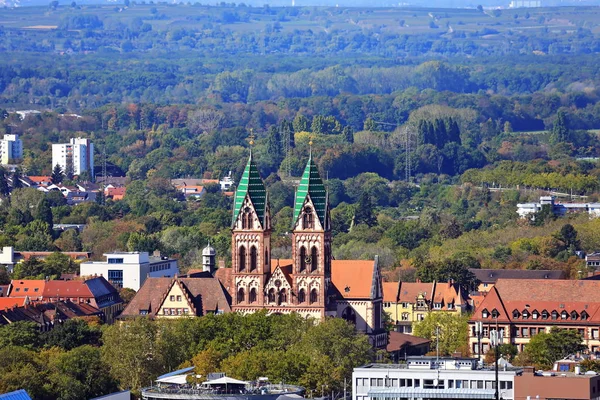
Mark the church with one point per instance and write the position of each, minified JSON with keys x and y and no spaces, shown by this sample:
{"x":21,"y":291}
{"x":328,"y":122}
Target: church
{"x":311,"y":283}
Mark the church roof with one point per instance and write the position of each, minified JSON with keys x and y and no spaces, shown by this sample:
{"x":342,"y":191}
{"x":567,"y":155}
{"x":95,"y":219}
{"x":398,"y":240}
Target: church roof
{"x":353,"y":279}
{"x":311,"y":185}
{"x":252,"y":185}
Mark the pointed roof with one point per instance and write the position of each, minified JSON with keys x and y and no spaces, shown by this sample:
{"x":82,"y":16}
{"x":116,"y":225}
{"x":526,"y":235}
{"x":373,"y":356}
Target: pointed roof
{"x":252,"y":185}
{"x":311,"y":185}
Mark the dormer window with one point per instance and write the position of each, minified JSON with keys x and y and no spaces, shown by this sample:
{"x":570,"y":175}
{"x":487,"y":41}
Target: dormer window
{"x":495,"y":313}
{"x":564,"y":315}
{"x":535,"y":314}
{"x":525,"y":314}
{"x":437,"y":306}
{"x":545,"y":314}
{"x":584,"y":316}
{"x":516,"y":314}
{"x":574,"y":315}
{"x":554,"y":314}
{"x":485,"y":314}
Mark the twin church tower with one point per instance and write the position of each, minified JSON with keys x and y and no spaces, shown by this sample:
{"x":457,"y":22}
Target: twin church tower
{"x":310,"y":283}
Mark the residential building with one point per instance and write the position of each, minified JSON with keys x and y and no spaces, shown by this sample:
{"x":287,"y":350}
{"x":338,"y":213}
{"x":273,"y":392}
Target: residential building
{"x":408,"y":302}
{"x":226,"y":183}
{"x":196,"y":295}
{"x":523,"y":308}
{"x":527,"y":209}
{"x":431,"y":377}
{"x":592,"y":260}
{"x":96,"y":292}
{"x":11,"y":147}
{"x":311,"y":283}
{"x":130,"y":269}
{"x":114,"y":193}
{"x":402,"y":345}
{"x":562,"y":385}
{"x":77,"y":155}
{"x":488,"y":277}
{"x":9,"y":257}
{"x":47,"y":315}
{"x":191,"y":191}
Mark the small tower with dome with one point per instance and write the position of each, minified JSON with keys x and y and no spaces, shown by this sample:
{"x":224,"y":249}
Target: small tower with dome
{"x":209,"y":259}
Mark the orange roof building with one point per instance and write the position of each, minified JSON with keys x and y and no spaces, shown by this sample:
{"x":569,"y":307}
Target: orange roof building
{"x":310,"y":283}
{"x":524,"y":308}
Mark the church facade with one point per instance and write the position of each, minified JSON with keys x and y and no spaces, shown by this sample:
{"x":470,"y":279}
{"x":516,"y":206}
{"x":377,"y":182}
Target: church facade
{"x":310,"y":283}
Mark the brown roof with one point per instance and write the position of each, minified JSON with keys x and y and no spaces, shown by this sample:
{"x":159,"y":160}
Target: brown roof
{"x":492,"y":275}
{"x":40,"y":179}
{"x":447,"y":293}
{"x":399,"y":340}
{"x":225,"y":277}
{"x":390,"y":291}
{"x":409,"y":291}
{"x":44,"y":314}
{"x":538,"y":295}
{"x":148,"y":297}
{"x":76,"y":288}
{"x":206,"y":293}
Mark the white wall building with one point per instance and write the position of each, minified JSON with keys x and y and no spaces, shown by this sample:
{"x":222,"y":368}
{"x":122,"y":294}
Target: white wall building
{"x":130,"y":270}
{"x":426,"y":378}
{"x":526,"y":209}
{"x":11,"y":147}
{"x":78,"y":152}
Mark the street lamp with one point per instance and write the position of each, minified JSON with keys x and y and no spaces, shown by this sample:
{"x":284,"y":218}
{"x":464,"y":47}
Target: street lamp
{"x":496,"y":340}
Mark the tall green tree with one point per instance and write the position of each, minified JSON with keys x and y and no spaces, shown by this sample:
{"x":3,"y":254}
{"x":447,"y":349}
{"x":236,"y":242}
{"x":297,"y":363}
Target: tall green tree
{"x":57,"y":175}
{"x":16,"y":181}
{"x":44,"y":212}
{"x":4,"y":189}
{"x":560,"y":132}
{"x":545,"y":348}
{"x":449,"y":330}
{"x":363,"y":212}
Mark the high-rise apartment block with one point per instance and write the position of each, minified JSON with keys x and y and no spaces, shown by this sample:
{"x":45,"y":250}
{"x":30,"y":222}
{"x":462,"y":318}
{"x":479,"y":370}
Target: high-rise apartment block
{"x":78,"y":154}
{"x":11,"y":147}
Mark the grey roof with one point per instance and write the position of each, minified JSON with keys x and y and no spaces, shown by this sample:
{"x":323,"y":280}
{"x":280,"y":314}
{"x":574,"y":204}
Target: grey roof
{"x":178,"y":372}
{"x":16,"y":395}
{"x":99,"y":286}
{"x":492,"y":275}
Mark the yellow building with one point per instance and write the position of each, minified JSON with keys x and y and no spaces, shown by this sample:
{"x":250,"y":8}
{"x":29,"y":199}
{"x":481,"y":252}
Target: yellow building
{"x":408,"y":302}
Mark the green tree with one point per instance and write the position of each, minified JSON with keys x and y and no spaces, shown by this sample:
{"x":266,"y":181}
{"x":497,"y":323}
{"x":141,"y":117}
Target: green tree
{"x":16,"y":181}
{"x":363,"y":212}
{"x":300,"y":123}
{"x":450,"y":330}
{"x":4,"y":189}
{"x":72,"y":333}
{"x":560,"y":132}
{"x":545,"y":348}
{"x":455,"y":269}
{"x":44,"y":213}
{"x":57,"y":174}
{"x":568,"y":235}
{"x":24,"y":334}
{"x":348,"y":134}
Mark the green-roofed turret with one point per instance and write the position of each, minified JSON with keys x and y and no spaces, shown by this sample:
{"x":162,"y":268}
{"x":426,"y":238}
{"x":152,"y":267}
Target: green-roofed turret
{"x":251,"y":185}
{"x":311,"y":185}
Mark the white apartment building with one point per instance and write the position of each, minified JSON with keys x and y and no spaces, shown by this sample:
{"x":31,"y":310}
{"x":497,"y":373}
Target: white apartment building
{"x":78,"y":152}
{"x":130,"y":269}
{"x":432,"y":378}
{"x":11,"y":147}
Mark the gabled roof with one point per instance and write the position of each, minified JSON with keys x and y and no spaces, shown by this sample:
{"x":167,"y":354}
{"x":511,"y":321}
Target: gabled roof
{"x":27,"y":287}
{"x":148,"y":298}
{"x":10,"y":302}
{"x":251,"y":185}
{"x":399,"y":340}
{"x":409,"y":291}
{"x":390,"y":291}
{"x":57,"y":289}
{"x":353,"y":279}
{"x":311,"y":185}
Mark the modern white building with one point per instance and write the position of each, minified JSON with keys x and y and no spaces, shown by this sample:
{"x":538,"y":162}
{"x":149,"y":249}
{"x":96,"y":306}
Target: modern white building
{"x":78,"y":153}
{"x":130,"y":270}
{"x":432,"y":378}
{"x":11,"y":147}
{"x":526,"y":209}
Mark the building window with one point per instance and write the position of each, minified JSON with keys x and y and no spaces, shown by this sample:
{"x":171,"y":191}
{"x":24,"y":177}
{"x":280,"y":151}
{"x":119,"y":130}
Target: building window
{"x":314,"y":296}
{"x":485,"y":314}
{"x":301,"y":296}
{"x":115,"y":261}
{"x":544,"y":314}
{"x":554,"y":314}
{"x":171,"y":298}
{"x":302,"y":258}
{"x":115,"y":276}
{"x":282,"y":296}
{"x":404,"y":316}
{"x":574,"y":315}
{"x":349,"y":315}
{"x":420,"y":317}
{"x":313,"y":259}
{"x":178,"y":298}
{"x":253,"y":258}
{"x":252,"y":296}
{"x":241,"y":295}
{"x":515,"y":314}
{"x":525,"y":314}
{"x":437,"y":306}
{"x":242,"y":256}
{"x":186,"y":311}
{"x":535,"y":314}
{"x":564,"y":315}
{"x":404,"y":305}
{"x":271,"y":296}
{"x":266,"y":257}
{"x":167,"y":311}
{"x":308,"y":219}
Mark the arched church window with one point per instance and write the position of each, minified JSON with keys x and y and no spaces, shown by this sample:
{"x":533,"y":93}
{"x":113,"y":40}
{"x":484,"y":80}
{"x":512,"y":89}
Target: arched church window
{"x":246,"y":219}
{"x":252,"y":296}
{"x":302,"y":258}
{"x":271,"y":296}
{"x":241,"y":295}
{"x":253,"y":258}
{"x":314,"y":296}
{"x":313,"y":259}
{"x":242,"y":257}
{"x":301,"y":296}
{"x":282,"y":296}
{"x":307,"y":219}
{"x":349,"y":315}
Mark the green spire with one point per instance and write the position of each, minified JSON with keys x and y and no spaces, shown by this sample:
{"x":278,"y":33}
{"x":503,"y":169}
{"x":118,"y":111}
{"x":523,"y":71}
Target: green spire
{"x":253,"y":186}
{"x":311,"y":184}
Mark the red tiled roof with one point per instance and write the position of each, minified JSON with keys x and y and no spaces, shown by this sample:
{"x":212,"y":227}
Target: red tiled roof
{"x":40,"y":179}
{"x":409,"y":291}
{"x":539,"y":295}
{"x":390,"y":291}
{"x":353,"y":278}
{"x":398,"y":340}
{"x":115,"y":191}
{"x":10,"y":302}
{"x":23,"y":288}
{"x":57,"y":289}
